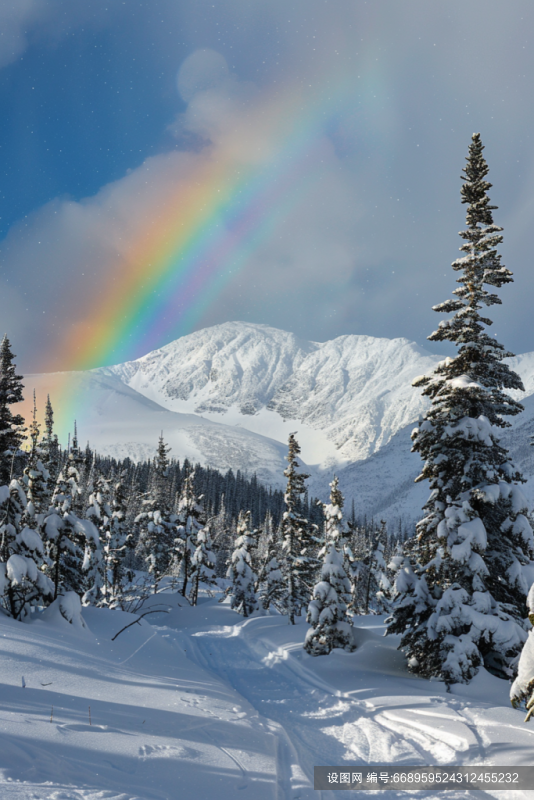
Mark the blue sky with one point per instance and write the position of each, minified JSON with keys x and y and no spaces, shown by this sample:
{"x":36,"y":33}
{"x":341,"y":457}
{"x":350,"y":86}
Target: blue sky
{"x":89,"y":93}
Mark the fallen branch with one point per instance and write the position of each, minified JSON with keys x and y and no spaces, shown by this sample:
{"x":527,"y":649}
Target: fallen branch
{"x":138,"y":620}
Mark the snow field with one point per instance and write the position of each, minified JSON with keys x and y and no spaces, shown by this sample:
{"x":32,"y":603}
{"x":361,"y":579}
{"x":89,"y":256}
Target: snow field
{"x":201,"y":704}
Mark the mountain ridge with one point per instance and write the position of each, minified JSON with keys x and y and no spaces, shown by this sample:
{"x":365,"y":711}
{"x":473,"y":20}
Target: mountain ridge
{"x":354,"y":391}
{"x":229,"y":395}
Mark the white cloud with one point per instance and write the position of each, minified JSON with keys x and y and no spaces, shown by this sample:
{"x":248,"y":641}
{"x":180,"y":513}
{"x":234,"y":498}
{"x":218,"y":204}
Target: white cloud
{"x":16,"y":18}
{"x":68,"y":253}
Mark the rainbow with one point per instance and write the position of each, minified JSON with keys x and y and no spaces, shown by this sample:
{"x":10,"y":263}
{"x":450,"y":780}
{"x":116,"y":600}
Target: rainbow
{"x":204,"y":234}
{"x":180,"y":261}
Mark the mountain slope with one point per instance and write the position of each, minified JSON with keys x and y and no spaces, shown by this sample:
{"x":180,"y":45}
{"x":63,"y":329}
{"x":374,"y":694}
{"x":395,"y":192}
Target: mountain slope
{"x":120,"y":422}
{"x":228,"y":396}
{"x":349,"y":396}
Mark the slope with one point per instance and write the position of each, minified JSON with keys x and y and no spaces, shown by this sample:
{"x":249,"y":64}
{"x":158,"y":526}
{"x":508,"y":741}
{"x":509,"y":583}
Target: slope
{"x":203,"y":704}
{"x":229,"y":395}
{"x":120,"y":422}
{"x":349,"y":396}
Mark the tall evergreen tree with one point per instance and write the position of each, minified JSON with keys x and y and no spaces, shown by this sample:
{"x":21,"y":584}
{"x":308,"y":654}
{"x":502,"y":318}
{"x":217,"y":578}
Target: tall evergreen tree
{"x":475,"y":537}
{"x":327,"y":611}
{"x":99,"y":512}
{"x":11,"y":425}
{"x":117,"y":544}
{"x":22,"y":583}
{"x":270,"y":586}
{"x":300,"y":563}
{"x":50,"y":445}
{"x":202,"y":563}
{"x":36,"y":476}
{"x":222,"y":541}
{"x":157,"y":521}
{"x":191,"y":519}
{"x":240,"y":573}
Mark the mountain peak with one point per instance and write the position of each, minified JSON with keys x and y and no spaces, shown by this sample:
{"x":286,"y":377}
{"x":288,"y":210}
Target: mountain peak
{"x":353,"y":392}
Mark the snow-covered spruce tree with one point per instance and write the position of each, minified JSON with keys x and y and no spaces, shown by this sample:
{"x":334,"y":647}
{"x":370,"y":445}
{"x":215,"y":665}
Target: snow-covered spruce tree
{"x":117,"y":544}
{"x":50,"y":446}
{"x":202,"y":563}
{"x":156,"y":521}
{"x":379,"y":585}
{"x":11,"y":425}
{"x":22,"y":583}
{"x":522,"y":690}
{"x":327,"y":611}
{"x":299,"y":562}
{"x":67,"y":536}
{"x":222,"y":540}
{"x":94,"y":566}
{"x":75,"y":470}
{"x":242,"y":592}
{"x":475,"y":537}
{"x":36,"y":477}
{"x":270,"y":586}
{"x":191,"y":520}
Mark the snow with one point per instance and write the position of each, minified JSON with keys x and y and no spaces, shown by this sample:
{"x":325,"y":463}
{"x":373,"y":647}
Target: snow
{"x":229,"y":395}
{"x":65,"y":610}
{"x":19,"y":567}
{"x":204,"y":704}
{"x":350,"y":395}
{"x":30,"y":539}
{"x":120,"y":422}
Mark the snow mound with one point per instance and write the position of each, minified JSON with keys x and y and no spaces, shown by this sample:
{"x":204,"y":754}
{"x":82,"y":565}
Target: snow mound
{"x":66,"y":609}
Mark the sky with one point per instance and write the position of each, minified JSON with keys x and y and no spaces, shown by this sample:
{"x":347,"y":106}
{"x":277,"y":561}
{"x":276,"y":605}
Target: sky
{"x":173,"y":164}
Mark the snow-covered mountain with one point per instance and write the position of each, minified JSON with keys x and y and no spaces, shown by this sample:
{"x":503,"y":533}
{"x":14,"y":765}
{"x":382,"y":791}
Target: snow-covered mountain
{"x":229,"y":395}
{"x":120,"y":422}
{"x":347,"y":397}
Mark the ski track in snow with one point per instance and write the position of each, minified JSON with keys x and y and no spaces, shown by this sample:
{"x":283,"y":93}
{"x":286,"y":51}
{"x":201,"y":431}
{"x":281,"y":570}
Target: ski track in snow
{"x":326,"y":726}
{"x":203,"y":705}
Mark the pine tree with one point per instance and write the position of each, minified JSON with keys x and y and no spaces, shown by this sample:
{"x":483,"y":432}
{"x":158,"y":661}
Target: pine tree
{"x":117,"y":544}
{"x":240,"y":573}
{"x":379,"y":585}
{"x":474,"y":538}
{"x":36,"y":477}
{"x":11,"y":425}
{"x":300,"y":563}
{"x":522,"y":690}
{"x":69,"y":538}
{"x":327,"y":611}
{"x":202,"y":563}
{"x":270,"y":586}
{"x":156,"y":520}
{"x":222,"y":541}
{"x":75,"y":472}
{"x":22,"y":583}
{"x":50,"y":445}
{"x":191,"y":520}
{"x":94,"y":566}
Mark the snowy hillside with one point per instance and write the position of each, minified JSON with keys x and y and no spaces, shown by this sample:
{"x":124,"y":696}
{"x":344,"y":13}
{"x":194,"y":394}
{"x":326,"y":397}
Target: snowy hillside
{"x":228,"y":396}
{"x":203,"y":704}
{"x":383,"y":485}
{"x":119,"y":421}
{"x":348,"y":396}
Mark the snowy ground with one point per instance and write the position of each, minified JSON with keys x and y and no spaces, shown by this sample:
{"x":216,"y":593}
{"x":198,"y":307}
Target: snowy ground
{"x":202,"y":704}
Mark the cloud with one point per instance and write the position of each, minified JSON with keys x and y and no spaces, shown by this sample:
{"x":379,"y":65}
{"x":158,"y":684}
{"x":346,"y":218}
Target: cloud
{"x":67,"y":254}
{"x":366,"y":246}
{"x":16,"y":18}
